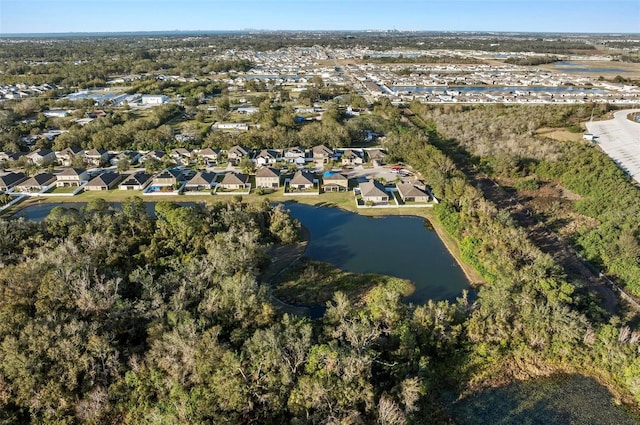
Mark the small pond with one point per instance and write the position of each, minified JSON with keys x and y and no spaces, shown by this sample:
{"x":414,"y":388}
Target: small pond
{"x":401,"y":246}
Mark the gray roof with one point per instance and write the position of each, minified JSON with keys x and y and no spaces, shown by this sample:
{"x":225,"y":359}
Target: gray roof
{"x":267,"y":172}
{"x":11,"y":179}
{"x":72,"y":172}
{"x":408,"y":189}
{"x":239,"y":150}
{"x":136,"y":179}
{"x":300,"y":177}
{"x":209,"y":152}
{"x":267,"y":153}
{"x":372,"y":188}
{"x":377,"y":154}
{"x":38,"y":180}
{"x":169,"y":174}
{"x":235,"y":178}
{"x":202,"y":179}
{"x":104,"y":179}
{"x":322,"y":150}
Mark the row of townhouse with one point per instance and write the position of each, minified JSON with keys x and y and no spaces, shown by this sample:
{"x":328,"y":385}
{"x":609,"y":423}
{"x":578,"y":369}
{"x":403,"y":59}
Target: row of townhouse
{"x":300,"y":155}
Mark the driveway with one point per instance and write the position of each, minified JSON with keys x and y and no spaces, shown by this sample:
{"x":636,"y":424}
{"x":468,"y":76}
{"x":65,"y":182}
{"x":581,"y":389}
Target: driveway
{"x":620,"y":139}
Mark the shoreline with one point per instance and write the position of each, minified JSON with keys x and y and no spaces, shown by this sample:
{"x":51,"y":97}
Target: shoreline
{"x":473,"y":277}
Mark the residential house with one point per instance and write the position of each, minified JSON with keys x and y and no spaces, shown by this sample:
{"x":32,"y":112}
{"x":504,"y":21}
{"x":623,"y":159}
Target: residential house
{"x":236,"y":153}
{"x":201,"y":181}
{"x":301,"y":181}
{"x":209,"y":156}
{"x":267,"y":157}
{"x":65,"y":156}
{"x":295,"y":154}
{"x":335,"y":182}
{"x":322,"y":154}
{"x":231,"y":126}
{"x":36,"y":183}
{"x":136,"y":181}
{"x":247,"y":110}
{"x":70,"y":177}
{"x":169,"y":177}
{"x":351,"y":157}
{"x":377,"y":157}
{"x":104,"y":181}
{"x":235,"y":181}
{"x":7,"y":156}
{"x":96,"y":157}
{"x":149,"y":99}
{"x":411,"y":193}
{"x":157,"y":155}
{"x":373,"y":191}
{"x":131,"y":156}
{"x":181,"y":156}
{"x":40,"y":156}
{"x":7,"y":181}
{"x":268,"y":177}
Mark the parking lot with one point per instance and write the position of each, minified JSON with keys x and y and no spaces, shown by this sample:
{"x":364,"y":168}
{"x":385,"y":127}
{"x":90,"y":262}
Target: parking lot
{"x":620,"y":139}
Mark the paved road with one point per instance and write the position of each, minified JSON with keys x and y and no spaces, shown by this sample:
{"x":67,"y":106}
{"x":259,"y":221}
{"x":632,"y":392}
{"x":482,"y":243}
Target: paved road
{"x":620,"y":139}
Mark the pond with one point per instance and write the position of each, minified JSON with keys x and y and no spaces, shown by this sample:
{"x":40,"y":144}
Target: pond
{"x":555,"y":400}
{"x":400,"y":246}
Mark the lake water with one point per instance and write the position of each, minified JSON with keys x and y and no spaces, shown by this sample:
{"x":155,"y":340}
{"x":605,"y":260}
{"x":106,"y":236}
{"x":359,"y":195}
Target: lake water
{"x":566,"y":66}
{"x":401,"y":246}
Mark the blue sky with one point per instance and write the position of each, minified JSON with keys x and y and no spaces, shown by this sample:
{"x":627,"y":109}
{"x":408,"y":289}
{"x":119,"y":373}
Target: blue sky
{"x":45,"y":16}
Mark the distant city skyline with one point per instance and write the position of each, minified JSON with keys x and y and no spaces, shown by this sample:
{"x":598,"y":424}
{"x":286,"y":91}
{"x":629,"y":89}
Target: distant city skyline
{"x":568,"y":16}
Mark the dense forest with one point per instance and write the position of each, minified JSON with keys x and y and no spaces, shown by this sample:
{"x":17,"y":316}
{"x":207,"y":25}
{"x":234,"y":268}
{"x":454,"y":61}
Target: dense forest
{"x":112,"y":316}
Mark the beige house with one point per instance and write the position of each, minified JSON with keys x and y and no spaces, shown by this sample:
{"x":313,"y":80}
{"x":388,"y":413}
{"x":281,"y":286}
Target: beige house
{"x":267,"y":157}
{"x":104,"y":181}
{"x":7,"y":181}
{"x":350,"y":157}
{"x":210,"y":156}
{"x":322,"y":154}
{"x":301,"y":181}
{"x":39,"y":156}
{"x":234,"y":181}
{"x":268,"y":177}
{"x":236,"y":153}
{"x":373,"y":191}
{"x":411,"y":193}
{"x":167,"y":178}
{"x":335,"y":182}
{"x":65,"y":156}
{"x":137,"y":181}
{"x":377,"y":156}
{"x":71,"y":177}
{"x":201,"y":181}
{"x":36,"y":183}
{"x":96,"y":156}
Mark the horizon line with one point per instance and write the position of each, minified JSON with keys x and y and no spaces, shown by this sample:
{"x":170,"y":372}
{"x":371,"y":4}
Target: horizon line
{"x":252,"y":30}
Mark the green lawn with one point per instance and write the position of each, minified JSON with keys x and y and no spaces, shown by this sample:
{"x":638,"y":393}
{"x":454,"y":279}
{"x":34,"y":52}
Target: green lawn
{"x":63,"y":189}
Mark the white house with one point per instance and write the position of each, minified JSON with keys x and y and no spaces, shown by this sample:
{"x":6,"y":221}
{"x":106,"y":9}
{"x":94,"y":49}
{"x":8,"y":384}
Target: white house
{"x":149,"y":99}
